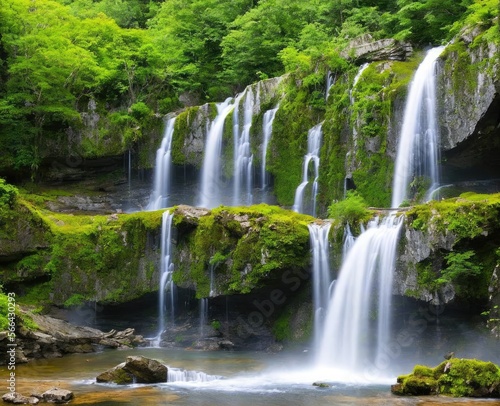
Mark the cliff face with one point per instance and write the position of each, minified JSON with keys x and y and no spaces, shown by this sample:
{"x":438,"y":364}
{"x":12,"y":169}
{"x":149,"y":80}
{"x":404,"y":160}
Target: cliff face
{"x":470,"y":102}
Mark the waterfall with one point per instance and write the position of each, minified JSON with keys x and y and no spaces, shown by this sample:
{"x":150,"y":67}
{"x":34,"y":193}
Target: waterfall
{"x":365,"y":279}
{"x":166,"y":271}
{"x":181,"y":375}
{"x":163,"y":169}
{"x":329,"y":83}
{"x":348,"y":241}
{"x":243,"y":157}
{"x":318,"y":235}
{"x":313,"y":151}
{"x":351,"y":341}
{"x":417,"y":155}
{"x":267,"y":129}
{"x":355,"y":81}
{"x":212,"y":286}
{"x":210,"y":188}
{"x":203,"y":315}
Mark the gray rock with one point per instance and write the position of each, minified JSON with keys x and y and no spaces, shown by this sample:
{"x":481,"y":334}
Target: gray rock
{"x":136,"y":369}
{"x":18,"y":399}
{"x":56,"y":395}
{"x":365,"y":49}
{"x":146,"y":370}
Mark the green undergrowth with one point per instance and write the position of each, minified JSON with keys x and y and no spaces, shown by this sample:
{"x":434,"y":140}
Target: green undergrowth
{"x":456,"y":377}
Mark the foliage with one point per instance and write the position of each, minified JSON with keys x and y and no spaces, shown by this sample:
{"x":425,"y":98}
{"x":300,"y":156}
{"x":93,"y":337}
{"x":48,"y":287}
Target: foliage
{"x":352,"y":210}
{"x":8,"y":195}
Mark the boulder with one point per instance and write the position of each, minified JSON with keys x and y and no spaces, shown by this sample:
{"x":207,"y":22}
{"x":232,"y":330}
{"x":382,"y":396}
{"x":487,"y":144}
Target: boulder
{"x":116,"y":375}
{"x":56,"y":395}
{"x":18,"y":399}
{"x":136,"y":369}
{"x":146,"y":370}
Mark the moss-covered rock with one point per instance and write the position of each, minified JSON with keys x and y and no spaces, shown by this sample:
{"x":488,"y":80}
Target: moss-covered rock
{"x":245,"y":246}
{"x":455,"y":377}
{"x":449,"y":249}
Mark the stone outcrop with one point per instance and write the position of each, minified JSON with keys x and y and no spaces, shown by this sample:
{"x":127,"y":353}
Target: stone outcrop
{"x":469,"y":91}
{"x":18,"y":399}
{"x":365,"y":49}
{"x":56,"y":395}
{"x":136,"y":369}
{"x":55,"y":337}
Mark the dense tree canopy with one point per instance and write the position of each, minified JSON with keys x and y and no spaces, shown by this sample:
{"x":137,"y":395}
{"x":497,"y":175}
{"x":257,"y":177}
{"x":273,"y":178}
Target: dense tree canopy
{"x":136,"y":57}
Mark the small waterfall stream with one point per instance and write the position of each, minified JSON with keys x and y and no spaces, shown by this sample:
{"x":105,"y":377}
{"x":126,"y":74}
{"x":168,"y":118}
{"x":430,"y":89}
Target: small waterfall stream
{"x":313,"y":151}
{"x":417,"y":157}
{"x":163,"y":170}
{"x":210,"y":187}
{"x":318,"y":235}
{"x":267,"y":129}
{"x":165,"y":309}
{"x":243,"y":157}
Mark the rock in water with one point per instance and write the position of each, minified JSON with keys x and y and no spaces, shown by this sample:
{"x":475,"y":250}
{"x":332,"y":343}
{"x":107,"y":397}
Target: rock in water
{"x":18,"y":399}
{"x":56,"y":395}
{"x":146,"y":370}
{"x":136,"y":369}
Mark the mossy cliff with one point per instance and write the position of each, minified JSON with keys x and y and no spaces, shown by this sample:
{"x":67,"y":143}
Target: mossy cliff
{"x":456,"y":377}
{"x":244,"y":248}
{"x":450,"y":249}
{"x":68,"y":259}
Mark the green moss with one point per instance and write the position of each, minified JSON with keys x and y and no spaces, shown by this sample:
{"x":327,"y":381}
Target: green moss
{"x":288,"y":144}
{"x":183,"y":126}
{"x":245,"y":245}
{"x":456,"y":377}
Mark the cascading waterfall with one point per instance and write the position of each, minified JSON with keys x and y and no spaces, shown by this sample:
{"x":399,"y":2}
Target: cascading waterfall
{"x":267,"y":129}
{"x":351,"y":341}
{"x":166,"y":271}
{"x":348,"y":241}
{"x":313,"y":151}
{"x":163,"y":169}
{"x":182,"y":375}
{"x":318,"y":235}
{"x":243,"y":157}
{"x":365,"y":279}
{"x":210,"y":188}
{"x":417,"y":157}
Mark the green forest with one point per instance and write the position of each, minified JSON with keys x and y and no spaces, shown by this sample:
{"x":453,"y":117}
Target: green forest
{"x":139,"y":59}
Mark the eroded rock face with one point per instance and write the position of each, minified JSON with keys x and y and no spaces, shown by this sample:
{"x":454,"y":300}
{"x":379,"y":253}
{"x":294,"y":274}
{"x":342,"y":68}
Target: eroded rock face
{"x":365,"y":49}
{"x":57,"y":337}
{"x":135,"y":369}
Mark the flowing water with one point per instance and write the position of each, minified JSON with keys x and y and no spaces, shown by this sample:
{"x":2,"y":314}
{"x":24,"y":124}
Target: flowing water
{"x":267,"y":130}
{"x":163,"y":170}
{"x":212,"y":379}
{"x":210,"y":186}
{"x":243,"y":157}
{"x":321,"y":275}
{"x":417,"y":157}
{"x":166,"y":282}
{"x":313,"y":151}
{"x":364,"y":284}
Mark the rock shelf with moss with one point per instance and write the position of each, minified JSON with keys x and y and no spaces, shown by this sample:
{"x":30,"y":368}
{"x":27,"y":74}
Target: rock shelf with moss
{"x":455,"y":377}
